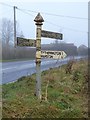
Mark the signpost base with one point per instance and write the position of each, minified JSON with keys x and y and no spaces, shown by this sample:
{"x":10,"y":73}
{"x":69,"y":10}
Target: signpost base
{"x":38,"y":80}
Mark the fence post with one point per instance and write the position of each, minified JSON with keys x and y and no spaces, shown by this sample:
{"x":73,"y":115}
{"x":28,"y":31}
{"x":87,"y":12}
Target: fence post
{"x":38,"y":19}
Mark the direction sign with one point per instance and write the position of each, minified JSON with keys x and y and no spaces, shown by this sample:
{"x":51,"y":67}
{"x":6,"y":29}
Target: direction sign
{"x":26,"y":42}
{"x":53,"y":35}
{"x":53,"y":54}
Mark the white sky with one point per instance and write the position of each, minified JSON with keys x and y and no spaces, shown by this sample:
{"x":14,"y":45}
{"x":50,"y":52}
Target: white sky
{"x":73,"y":8}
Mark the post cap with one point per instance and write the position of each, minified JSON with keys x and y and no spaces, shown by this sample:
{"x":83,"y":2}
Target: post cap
{"x":39,"y":18}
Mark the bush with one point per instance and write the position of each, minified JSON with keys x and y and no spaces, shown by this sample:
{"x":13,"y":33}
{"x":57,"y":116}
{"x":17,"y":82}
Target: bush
{"x":86,"y":75}
{"x":76,"y":75}
{"x":69,"y":67}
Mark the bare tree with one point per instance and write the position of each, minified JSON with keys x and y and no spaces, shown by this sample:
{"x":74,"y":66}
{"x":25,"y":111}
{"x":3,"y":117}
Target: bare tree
{"x":7,"y":31}
{"x":7,"y":37}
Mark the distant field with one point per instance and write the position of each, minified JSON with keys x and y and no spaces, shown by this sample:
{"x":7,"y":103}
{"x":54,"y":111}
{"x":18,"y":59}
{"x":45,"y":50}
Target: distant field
{"x":67,"y":94}
{"x":13,"y":60}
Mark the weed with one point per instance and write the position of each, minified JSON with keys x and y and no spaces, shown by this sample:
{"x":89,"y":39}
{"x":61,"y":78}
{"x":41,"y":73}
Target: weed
{"x":69,"y":67}
{"x":76,"y":75}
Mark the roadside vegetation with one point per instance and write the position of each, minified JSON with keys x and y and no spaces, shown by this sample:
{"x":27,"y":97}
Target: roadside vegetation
{"x":64,"y":94}
{"x":14,"y":60}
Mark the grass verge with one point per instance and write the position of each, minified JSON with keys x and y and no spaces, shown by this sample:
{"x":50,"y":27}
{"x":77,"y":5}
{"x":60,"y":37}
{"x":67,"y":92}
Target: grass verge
{"x":66,"y":96}
{"x":13,"y":60}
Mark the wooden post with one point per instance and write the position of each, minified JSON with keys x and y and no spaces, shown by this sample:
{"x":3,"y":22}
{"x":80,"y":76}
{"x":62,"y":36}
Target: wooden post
{"x":15,"y":26}
{"x":38,"y":19}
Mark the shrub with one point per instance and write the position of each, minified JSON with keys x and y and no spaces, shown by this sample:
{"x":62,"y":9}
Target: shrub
{"x":86,"y":75}
{"x":76,"y":75}
{"x":69,"y":67}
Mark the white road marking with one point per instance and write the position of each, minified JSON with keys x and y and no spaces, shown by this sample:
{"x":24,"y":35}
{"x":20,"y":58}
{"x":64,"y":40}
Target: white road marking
{"x":9,"y":68}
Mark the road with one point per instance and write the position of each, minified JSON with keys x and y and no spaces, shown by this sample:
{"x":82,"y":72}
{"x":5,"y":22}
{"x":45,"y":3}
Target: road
{"x":11,"y":71}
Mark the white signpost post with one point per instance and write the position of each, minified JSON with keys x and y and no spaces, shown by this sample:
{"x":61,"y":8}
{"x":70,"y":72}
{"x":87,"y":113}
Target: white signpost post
{"x":37,"y":43}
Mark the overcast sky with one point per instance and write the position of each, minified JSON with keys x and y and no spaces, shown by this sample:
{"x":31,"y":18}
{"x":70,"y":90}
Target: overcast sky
{"x":74,"y":30}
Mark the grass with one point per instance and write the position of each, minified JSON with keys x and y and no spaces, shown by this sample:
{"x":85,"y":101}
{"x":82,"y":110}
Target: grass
{"x":66,"y":98}
{"x":13,"y":60}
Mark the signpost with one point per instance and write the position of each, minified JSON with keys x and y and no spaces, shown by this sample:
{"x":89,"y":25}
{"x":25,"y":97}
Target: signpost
{"x":38,"y":19}
{"x":37,"y":43}
{"x":53,"y":54}
{"x":26,"y":42}
{"x":53,"y":35}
